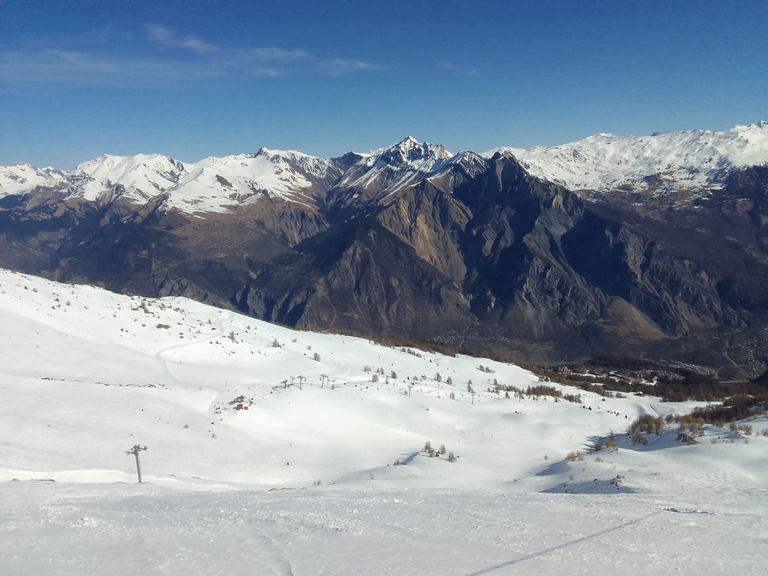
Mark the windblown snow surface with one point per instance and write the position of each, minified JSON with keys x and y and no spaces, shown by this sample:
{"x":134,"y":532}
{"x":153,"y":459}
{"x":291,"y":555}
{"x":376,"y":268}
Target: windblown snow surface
{"x":303,"y":479}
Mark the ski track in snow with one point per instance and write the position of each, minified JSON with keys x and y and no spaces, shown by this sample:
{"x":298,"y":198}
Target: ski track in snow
{"x":553,"y":549}
{"x":219,"y":324}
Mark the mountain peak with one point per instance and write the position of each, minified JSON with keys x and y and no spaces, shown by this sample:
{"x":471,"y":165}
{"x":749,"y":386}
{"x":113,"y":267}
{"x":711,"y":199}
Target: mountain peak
{"x":408,"y":142}
{"x":270,"y":152}
{"x":409,"y":151}
{"x":388,"y":170}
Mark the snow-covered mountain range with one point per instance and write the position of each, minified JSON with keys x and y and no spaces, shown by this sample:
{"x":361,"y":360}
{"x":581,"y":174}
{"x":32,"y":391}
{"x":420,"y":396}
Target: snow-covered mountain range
{"x":210,"y":185}
{"x":698,"y":160}
{"x":604,"y":162}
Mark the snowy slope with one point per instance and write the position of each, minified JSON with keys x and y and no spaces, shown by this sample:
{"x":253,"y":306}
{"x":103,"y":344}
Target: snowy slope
{"x":143,"y":176}
{"x":695,"y":159}
{"x":218,"y":184}
{"x":87,"y":374}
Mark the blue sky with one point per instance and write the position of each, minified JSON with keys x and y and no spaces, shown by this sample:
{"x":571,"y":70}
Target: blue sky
{"x":197,"y":78}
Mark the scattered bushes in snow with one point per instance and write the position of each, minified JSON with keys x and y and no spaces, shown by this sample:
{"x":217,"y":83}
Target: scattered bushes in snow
{"x":575,"y":456}
{"x":542,"y":390}
{"x":411,"y":352}
{"x":638,"y":438}
{"x":597,"y":445}
{"x":690,"y":426}
{"x":738,"y":407}
{"x":442,"y":451}
{"x":746,"y":428}
{"x":645,"y":424}
{"x":648,"y":424}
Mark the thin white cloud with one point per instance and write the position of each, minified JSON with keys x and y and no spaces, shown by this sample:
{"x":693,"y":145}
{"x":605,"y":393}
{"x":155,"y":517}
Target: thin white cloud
{"x":276,"y":54}
{"x":175,"y":56}
{"x":62,"y":66}
{"x":170,"y":38}
{"x":463,"y":70}
{"x":343,"y":67}
{"x":258,"y":61}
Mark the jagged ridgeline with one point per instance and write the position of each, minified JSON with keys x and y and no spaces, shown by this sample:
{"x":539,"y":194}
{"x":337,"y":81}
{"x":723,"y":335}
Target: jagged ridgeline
{"x":595,"y":248}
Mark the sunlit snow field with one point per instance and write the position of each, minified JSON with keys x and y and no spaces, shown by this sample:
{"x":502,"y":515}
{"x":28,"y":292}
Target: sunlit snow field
{"x":303,"y":480}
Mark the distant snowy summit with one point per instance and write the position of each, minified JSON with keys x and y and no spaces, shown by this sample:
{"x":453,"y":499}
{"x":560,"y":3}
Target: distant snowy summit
{"x":23,"y":177}
{"x":603,"y":162}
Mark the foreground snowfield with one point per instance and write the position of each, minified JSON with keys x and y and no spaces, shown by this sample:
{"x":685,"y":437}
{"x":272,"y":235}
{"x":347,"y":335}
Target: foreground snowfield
{"x":304,"y":481}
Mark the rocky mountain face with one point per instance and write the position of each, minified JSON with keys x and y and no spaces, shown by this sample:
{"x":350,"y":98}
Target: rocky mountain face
{"x":414,"y":241}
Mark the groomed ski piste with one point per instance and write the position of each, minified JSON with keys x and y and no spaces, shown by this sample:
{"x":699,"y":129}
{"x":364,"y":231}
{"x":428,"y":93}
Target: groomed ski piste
{"x":272,"y":451}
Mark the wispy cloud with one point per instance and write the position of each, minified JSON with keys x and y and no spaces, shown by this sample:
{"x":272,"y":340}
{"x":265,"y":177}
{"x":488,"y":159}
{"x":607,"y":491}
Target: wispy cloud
{"x":170,"y":38}
{"x":343,"y":67}
{"x":463,"y":70}
{"x":63,"y":66}
{"x":275,"y":54}
{"x":162,"y":52}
